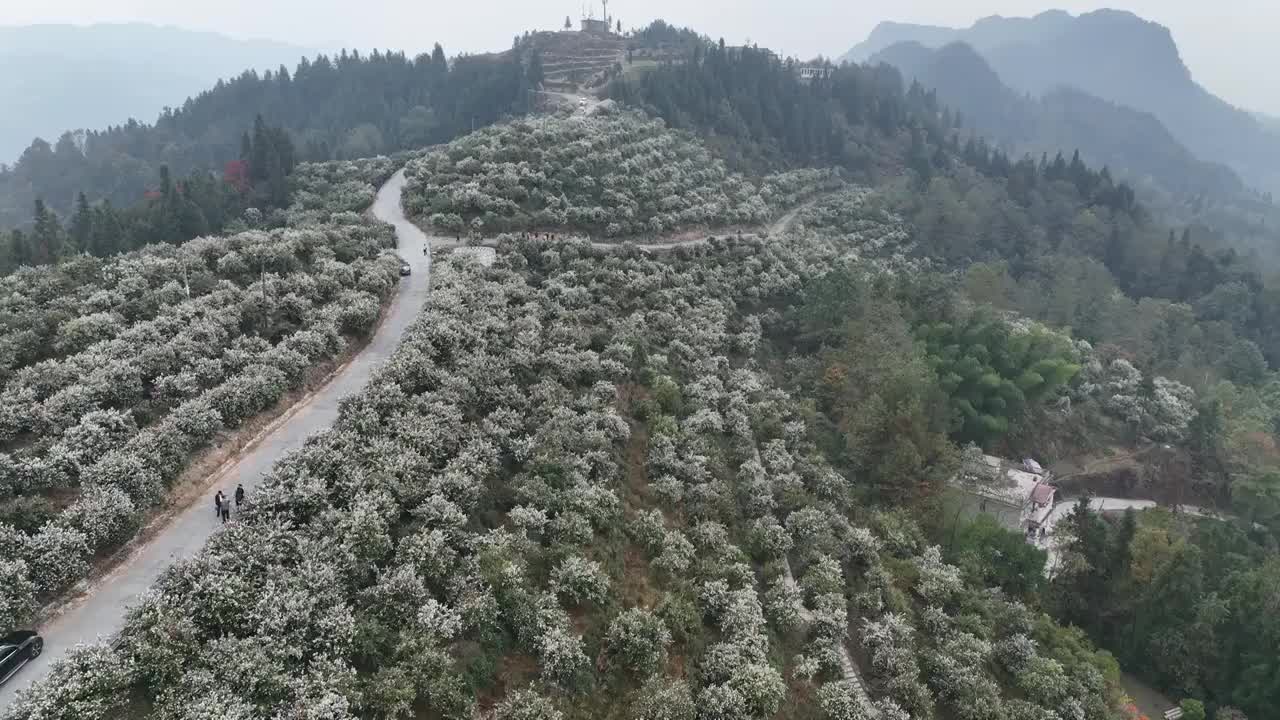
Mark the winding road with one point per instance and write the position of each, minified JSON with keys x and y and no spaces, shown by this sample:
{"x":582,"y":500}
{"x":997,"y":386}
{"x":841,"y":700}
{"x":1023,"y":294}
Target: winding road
{"x":101,"y":613}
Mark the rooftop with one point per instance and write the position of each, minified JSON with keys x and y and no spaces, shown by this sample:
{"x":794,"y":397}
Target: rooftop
{"x":1004,"y":482}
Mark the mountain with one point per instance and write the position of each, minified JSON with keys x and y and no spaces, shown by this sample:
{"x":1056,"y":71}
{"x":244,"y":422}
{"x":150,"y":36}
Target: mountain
{"x":59,"y":77}
{"x":1134,"y":144}
{"x":888,"y":34}
{"x":1116,"y":56}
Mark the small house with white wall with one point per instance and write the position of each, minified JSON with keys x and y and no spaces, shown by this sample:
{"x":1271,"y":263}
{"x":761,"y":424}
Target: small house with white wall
{"x":1018,"y":496}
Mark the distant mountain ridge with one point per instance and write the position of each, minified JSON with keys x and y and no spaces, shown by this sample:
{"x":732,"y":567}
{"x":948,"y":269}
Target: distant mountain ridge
{"x":55,"y":78}
{"x":1134,"y":144}
{"x":1115,"y":56}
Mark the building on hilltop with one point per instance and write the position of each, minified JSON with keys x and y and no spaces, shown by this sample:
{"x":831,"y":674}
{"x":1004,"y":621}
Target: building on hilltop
{"x":597,"y":27}
{"x":1019,"y":497}
{"x":809,"y":73}
{"x":737,"y":50}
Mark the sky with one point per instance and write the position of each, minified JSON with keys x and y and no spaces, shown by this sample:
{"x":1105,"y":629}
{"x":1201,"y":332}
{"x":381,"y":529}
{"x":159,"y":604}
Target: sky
{"x":1228,"y":44}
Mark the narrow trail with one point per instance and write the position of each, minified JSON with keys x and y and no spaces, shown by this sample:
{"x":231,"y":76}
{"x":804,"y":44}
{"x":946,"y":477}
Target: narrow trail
{"x":101,"y":612}
{"x":777,"y":227}
{"x":848,"y":669}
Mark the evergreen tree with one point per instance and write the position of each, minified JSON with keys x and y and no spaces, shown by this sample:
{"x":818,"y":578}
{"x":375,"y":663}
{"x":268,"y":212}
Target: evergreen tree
{"x":276,"y":192}
{"x":320,"y":103}
{"x":107,"y":236}
{"x":82,"y":224}
{"x":1084,"y":586}
{"x":20,"y":252}
{"x":46,"y":235}
{"x":259,"y":150}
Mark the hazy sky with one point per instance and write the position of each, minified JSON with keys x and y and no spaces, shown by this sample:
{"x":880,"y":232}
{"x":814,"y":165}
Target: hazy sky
{"x":1229,"y":44}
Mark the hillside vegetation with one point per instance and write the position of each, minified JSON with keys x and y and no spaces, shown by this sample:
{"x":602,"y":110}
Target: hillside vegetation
{"x":349,"y":106}
{"x":573,"y":493}
{"x":613,"y":175}
{"x":1118,"y":57}
{"x":720,"y":482}
{"x":55,"y":78}
{"x":1134,"y":145}
{"x":114,"y":372}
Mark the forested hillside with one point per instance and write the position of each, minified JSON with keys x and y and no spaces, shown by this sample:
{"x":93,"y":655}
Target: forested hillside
{"x":1134,"y":145}
{"x":574,"y":493}
{"x":253,"y":192}
{"x":113,"y":373}
{"x":1060,"y":243}
{"x":1116,"y":56}
{"x":717,"y":482}
{"x":612,"y":175}
{"x":1177,"y":187}
{"x":343,"y":107}
{"x":55,"y":78}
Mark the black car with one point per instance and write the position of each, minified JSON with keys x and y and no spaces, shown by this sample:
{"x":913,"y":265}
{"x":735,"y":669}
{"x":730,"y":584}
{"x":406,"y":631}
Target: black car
{"x":405,"y":269}
{"x":17,"y":649}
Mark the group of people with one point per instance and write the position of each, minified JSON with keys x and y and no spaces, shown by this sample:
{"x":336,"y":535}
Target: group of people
{"x":222,"y":503}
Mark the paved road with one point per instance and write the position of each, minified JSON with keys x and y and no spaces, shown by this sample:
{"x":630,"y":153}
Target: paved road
{"x":1104,"y":505}
{"x":102,"y":612}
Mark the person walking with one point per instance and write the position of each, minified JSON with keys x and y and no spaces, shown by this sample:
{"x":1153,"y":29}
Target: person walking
{"x":217,"y":504}
{"x":226,"y":509}
{"x":239,"y":495}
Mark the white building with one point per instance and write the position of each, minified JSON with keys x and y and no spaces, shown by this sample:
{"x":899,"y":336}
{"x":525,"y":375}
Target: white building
{"x":1014,"y":495}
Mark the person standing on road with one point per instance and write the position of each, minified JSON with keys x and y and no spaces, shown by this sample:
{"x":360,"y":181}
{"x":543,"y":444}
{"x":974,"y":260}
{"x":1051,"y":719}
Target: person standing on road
{"x":226,"y":509}
{"x":217,"y":504}
{"x":239,"y":495}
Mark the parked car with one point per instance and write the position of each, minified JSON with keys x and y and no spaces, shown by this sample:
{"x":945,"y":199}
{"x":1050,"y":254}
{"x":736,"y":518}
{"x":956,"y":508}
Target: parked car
{"x":404,"y":268}
{"x":17,"y":649}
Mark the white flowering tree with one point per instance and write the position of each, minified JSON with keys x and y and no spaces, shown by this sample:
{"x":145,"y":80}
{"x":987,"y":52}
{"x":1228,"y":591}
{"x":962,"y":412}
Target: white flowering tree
{"x":563,"y":440}
{"x":637,"y":642}
{"x":580,"y":580}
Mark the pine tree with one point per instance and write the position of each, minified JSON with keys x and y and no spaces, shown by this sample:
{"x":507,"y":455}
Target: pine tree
{"x":82,"y":224}
{"x":259,"y":150}
{"x":107,"y":237}
{"x":46,"y":235}
{"x":534,"y":74}
{"x":277,"y":187}
{"x":20,"y":249}
{"x":166,"y":185}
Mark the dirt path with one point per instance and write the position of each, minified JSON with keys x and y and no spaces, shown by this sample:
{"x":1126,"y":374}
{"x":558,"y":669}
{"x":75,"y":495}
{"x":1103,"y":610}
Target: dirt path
{"x":101,"y":612}
{"x":1148,"y":700}
{"x":777,"y":227}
